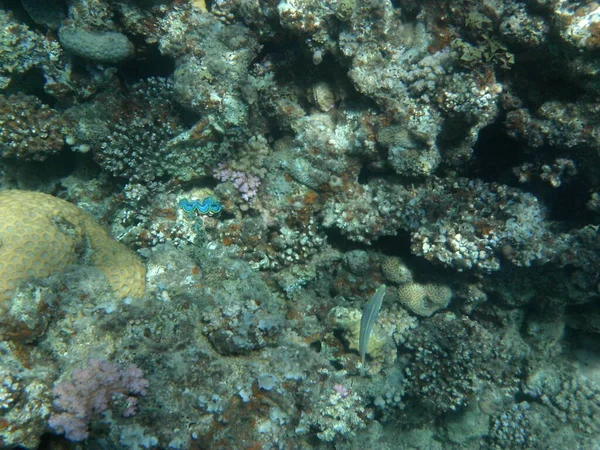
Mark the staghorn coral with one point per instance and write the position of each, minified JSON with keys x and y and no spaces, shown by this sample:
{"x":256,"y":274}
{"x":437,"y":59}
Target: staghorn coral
{"x":42,"y":235}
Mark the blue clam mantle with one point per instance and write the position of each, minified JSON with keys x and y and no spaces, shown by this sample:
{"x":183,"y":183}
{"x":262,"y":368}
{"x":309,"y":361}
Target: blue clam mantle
{"x":207,"y":206}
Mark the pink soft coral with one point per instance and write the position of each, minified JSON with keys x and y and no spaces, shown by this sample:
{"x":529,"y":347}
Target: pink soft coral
{"x":246,"y":184}
{"x":90,"y":391}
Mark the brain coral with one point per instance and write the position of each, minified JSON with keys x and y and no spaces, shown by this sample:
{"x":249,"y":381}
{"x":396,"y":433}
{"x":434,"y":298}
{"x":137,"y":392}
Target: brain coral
{"x":106,"y":47}
{"x":424,"y":299}
{"x":41,"y":235}
{"x":395,"y":270}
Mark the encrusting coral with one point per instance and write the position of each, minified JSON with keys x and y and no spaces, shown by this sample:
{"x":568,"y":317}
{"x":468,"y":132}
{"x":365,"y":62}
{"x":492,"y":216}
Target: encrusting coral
{"x":41,"y":235}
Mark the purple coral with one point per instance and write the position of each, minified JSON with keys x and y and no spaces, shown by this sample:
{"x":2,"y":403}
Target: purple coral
{"x":246,"y":184}
{"x":91,"y":391}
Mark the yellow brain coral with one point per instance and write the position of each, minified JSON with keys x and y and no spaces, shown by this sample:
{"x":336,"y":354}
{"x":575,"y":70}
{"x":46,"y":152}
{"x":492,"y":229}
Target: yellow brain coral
{"x":41,"y":235}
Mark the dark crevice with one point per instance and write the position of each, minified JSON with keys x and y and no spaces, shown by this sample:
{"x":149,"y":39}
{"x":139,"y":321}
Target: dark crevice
{"x":567,"y":203}
{"x":521,"y":397}
{"x":341,"y":242}
{"x":294,"y":70}
{"x":32,"y":83}
{"x":189,"y":118}
{"x":495,"y":154}
{"x":538,"y":77}
{"x":371,"y":170}
{"x":19,"y":13}
{"x":36,"y":173}
{"x":453,"y":130}
{"x":364,"y":175}
{"x":59,"y":165}
{"x":149,"y":62}
{"x":50,"y":441}
{"x":398,"y":245}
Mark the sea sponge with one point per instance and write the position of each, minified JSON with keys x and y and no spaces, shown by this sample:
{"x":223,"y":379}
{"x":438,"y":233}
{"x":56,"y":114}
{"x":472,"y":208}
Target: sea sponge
{"x":424,"y":299}
{"x":41,"y":235}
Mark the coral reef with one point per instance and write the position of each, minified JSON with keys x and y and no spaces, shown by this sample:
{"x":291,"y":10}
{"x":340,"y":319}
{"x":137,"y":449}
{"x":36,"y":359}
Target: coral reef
{"x":20,"y":48}
{"x":259,"y":169}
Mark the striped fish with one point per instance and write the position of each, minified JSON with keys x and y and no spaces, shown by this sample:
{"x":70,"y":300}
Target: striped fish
{"x":367,"y":320}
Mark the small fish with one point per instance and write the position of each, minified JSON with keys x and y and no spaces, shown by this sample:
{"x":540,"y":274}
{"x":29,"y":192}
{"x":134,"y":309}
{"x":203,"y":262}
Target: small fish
{"x":367,"y":320}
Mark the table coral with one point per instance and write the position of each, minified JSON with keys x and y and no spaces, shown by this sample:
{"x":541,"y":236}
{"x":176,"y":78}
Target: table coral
{"x":42,"y":235}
